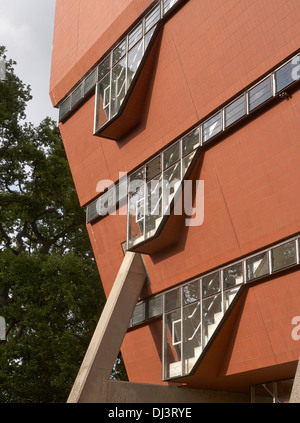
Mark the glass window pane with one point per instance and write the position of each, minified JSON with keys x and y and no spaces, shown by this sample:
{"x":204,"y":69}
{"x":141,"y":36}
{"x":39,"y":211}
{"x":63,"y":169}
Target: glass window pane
{"x":229,"y":296}
{"x":118,"y":86}
{"x":134,"y":59}
{"x":171,"y":182}
{"x":210,"y":284}
{"x":212,"y":127}
{"x":190,"y":142}
{"x":135,"y":35}
{"x":64,"y":108}
{"x":233,"y":275}
{"x":284,"y":256}
{"x":136,"y":179}
{"x":103,"y":101}
{"x":90,"y":81}
{"x":191,"y":292}
{"x":155,"y":306}
{"x":168,"y":4}
{"x":148,"y":37}
{"x":186,"y":161}
{"x":152,"y":18}
{"x":136,"y":217}
{"x":172,"y":299}
{"x":287,"y":74}
{"x":139,"y":314}
{"x":235,"y":111}
{"x":257,"y":266}
{"x":260,"y":93}
{"x":172,"y":344}
{"x":76,"y":95}
{"x":192,"y":335}
{"x":153,"y":206}
{"x":122,"y":189}
{"x":104,"y":67}
{"x":91,"y":211}
{"x":153,"y":168}
{"x":119,"y":52}
{"x":107,"y":202}
{"x":211,"y":315}
{"x":171,"y":155}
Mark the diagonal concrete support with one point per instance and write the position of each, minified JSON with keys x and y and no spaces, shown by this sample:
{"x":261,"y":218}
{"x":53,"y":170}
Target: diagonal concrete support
{"x":295,"y":394}
{"x":105,"y":345}
{"x":92,"y":384}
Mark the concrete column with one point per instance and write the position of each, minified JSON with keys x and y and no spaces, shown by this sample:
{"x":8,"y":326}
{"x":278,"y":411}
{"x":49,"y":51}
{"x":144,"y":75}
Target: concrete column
{"x":91,"y":382}
{"x":295,"y":394}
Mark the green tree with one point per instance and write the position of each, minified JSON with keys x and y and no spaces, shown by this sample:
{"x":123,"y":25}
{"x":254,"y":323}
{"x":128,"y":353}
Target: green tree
{"x":50,"y":291}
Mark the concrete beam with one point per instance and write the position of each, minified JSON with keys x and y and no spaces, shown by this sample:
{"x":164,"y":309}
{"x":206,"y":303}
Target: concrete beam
{"x":110,"y":331}
{"x":295,"y":394}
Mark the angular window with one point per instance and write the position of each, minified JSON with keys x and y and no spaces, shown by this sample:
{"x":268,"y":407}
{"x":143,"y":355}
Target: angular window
{"x":191,"y":292}
{"x":260,"y":93}
{"x":257,"y":266}
{"x":212,"y":127}
{"x":233,"y":275}
{"x":139,"y":313}
{"x":190,"y":142}
{"x":211,"y":316}
{"x":235,"y":111}
{"x":154,"y":307}
{"x":210,"y":284}
{"x":76,"y":96}
{"x":126,"y":67}
{"x":90,"y":82}
{"x":172,"y":300}
{"x":284,"y":256}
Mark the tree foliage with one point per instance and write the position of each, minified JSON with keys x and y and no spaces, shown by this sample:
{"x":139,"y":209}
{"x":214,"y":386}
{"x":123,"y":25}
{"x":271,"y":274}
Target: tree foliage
{"x":50,"y":292}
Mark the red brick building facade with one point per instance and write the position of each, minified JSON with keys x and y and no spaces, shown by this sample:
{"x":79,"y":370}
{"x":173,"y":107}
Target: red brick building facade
{"x":174,"y":91}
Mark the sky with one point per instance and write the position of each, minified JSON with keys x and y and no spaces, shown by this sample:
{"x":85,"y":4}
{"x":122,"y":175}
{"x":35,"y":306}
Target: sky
{"x":26,"y":30}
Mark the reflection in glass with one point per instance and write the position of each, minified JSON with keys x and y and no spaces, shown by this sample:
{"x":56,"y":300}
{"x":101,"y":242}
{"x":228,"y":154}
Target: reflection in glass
{"x":103,"y":101}
{"x":191,"y":335}
{"x":118,"y":86}
{"x":190,"y":292}
{"x":172,"y":341}
{"x":172,"y":299}
{"x":235,"y":111}
{"x":233,"y":275}
{"x":171,"y":183}
{"x":135,"y":216}
{"x":211,"y":315}
{"x":134,"y":59}
{"x":153,"y":206}
{"x":257,"y":266}
{"x":210,"y":284}
{"x":154,"y":306}
{"x":260,"y":93}
{"x":139,"y":313}
{"x":190,"y":141}
{"x":287,"y":74}
{"x":284,"y":255}
{"x":119,"y":52}
{"x":171,"y":155}
{"x":135,"y":35}
{"x":229,"y":296}
{"x":212,"y":127}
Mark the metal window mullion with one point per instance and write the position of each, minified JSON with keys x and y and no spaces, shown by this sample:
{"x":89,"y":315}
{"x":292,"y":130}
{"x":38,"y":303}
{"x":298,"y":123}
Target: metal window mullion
{"x":222,"y":291}
{"x":200,"y":135}
{"x":270,"y":261}
{"x":181,"y":330}
{"x":247,"y":102}
{"x":297,"y":250}
{"x":163,"y":339}
{"x":273,"y":84}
